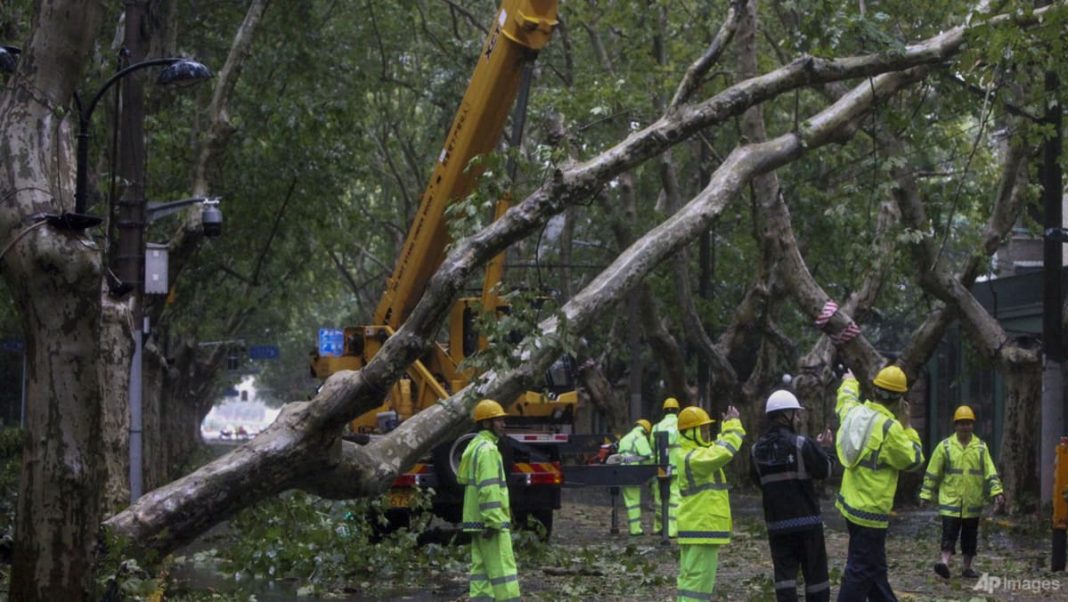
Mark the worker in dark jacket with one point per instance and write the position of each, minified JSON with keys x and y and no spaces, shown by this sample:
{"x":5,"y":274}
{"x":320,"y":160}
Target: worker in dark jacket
{"x":784,"y":465}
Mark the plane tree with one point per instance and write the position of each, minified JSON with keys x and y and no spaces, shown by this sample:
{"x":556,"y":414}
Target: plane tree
{"x":59,"y":285}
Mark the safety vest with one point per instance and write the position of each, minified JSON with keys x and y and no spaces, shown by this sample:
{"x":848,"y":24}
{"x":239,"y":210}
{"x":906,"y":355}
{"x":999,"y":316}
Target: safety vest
{"x":963,"y":476}
{"x":485,"y":487}
{"x":634,"y":447}
{"x":872,"y":447}
{"x":705,"y":511}
{"x":669,"y":424}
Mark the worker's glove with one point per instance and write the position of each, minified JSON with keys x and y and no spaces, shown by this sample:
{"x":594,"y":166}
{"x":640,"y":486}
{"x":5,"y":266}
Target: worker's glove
{"x":999,"y":503}
{"x":923,"y":504}
{"x":489,"y":532}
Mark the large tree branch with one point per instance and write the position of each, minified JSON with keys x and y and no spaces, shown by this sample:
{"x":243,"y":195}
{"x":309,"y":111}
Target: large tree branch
{"x":936,"y":277}
{"x":189,"y":234}
{"x":692,"y":79}
{"x":1008,"y":203}
{"x":301,"y":446}
{"x":303,"y":443}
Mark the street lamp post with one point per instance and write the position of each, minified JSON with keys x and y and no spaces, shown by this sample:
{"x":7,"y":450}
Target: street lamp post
{"x":211,"y":218}
{"x":176,"y":71}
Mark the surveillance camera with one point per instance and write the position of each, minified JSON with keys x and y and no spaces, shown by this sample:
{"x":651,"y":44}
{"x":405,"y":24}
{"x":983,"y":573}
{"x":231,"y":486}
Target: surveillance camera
{"x":211,"y":218}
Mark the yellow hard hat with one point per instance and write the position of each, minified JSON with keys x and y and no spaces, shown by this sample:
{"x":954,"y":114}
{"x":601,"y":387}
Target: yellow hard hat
{"x":693,"y":416}
{"x":893,"y":379}
{"x":645,"y":424}
{"x":671,"y":403}
{"x":964,"y":413}
{"x":488,"y":409}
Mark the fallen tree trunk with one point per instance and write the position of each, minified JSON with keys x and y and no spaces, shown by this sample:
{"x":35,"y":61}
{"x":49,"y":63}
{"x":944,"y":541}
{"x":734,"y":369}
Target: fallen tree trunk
{"x":303,"y":449}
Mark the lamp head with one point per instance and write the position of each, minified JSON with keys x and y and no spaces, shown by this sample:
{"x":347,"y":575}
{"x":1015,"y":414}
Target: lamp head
{"x":183,"y":72}
{"x":9,"y":58}
{"x":211,"y":218}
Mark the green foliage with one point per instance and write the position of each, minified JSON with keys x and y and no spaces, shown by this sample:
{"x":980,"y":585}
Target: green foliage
{"x":590,"y":571}
{"x":504,"y":330}
{"x":326,"y":546}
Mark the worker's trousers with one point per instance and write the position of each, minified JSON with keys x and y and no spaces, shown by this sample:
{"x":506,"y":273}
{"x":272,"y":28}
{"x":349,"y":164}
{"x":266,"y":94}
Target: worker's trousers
{"x":493,"y":572}
{"x":673,"y":508}
{"x":865,"y":576}
{"x":804,"y":550}
{"x":697,"y":572}
{"x":632,"y":499}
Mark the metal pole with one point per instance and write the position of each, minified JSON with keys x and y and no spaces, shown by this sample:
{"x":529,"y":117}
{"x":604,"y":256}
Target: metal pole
{"x":664,"y":483}
{"x":136,"y":421}
{"x":1052,"y":291}
{"x":22,"y":411}
{"x":613,"y":492}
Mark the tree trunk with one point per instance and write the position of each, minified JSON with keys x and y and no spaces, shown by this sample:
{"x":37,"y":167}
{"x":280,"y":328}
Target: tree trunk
{"x":602,"y":395}
{"x":1019,"y":440}
{"x":55,"y":278}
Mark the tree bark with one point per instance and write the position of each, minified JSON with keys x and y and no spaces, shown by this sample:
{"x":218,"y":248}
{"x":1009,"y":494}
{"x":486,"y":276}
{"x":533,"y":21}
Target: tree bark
{"x":1019,"y":453}
{"x":55,"y":279}
{"x":302,"y":448}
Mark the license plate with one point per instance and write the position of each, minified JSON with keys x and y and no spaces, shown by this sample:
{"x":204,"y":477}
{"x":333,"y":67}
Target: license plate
{"x":400,"y":498}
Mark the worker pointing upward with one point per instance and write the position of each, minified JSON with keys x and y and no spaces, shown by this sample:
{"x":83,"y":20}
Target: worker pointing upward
{"x":875,"y":442}
{"x":705,"y":513}
{"x":668,"y":424}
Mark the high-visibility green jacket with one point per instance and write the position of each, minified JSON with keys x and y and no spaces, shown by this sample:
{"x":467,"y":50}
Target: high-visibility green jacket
{"x":634,"y":447}
{"x":669,"y":424}
{"x":485,"y":486}
{"x":963,"y":475}
{"x":873,"y":447}
{"x":705,"y":511}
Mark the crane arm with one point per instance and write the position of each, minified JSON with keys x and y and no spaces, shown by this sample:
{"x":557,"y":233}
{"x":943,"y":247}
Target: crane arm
{"x":520,"y":30}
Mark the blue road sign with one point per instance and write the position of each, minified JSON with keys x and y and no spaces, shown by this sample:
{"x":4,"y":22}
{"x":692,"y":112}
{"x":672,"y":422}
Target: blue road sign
{"x":12,"y":345}
{"x":263,"y":352}
{"x":331,"y":342}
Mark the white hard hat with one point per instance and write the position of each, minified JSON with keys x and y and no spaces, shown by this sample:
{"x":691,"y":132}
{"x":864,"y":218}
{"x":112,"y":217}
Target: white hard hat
{"x":782,"y":400}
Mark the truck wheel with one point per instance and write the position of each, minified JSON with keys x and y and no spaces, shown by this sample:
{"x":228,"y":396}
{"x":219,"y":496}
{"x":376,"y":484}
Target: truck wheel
{"x":446,"y":459}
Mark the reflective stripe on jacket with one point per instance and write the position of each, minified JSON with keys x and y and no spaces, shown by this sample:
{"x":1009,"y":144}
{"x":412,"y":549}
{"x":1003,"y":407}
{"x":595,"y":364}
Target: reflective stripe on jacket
{"x":963,"y":476}
{"x":634,"y":447}
{"x":783,"y":464}
{"x":870,"y":478}
{"x":485,"y":486}
{"x":705,"y":511}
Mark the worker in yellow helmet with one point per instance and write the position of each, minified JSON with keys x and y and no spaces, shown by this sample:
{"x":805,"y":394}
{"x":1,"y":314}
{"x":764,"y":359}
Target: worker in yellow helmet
{"x":705,"y":512}
{"x":668,"y":424}
{"x":634,"y":449}
{"x":963,"y":473}
{"x":875,"y":442}
{"x":486,"y":510}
